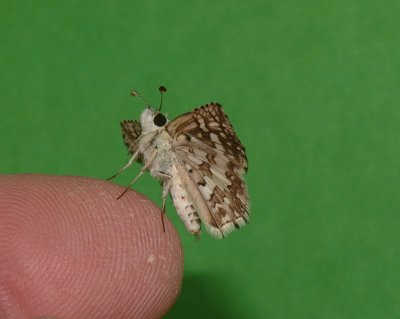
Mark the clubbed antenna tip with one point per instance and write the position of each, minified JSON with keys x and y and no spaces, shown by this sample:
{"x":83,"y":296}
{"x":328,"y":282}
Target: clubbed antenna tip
{"x":162,"y":90}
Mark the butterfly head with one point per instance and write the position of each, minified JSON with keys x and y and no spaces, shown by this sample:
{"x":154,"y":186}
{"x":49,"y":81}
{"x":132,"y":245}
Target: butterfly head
{"x":151,"y":120}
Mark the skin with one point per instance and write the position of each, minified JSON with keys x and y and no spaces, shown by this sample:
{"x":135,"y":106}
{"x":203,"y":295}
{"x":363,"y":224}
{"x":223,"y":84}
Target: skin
{"x":69,"y":249}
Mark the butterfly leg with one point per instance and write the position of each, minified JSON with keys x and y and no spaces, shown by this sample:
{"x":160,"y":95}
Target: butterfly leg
{"x":146,"y":166}
{"x":134,"y":156}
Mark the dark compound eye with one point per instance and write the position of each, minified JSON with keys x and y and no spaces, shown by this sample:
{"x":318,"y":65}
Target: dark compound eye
{"x":159,"y":120}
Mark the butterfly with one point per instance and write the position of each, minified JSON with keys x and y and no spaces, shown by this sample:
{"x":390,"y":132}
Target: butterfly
{"x":199,"y":160}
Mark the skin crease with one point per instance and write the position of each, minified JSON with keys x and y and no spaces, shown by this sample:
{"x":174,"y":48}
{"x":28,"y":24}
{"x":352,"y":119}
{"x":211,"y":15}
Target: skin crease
{"x":70,"y":250}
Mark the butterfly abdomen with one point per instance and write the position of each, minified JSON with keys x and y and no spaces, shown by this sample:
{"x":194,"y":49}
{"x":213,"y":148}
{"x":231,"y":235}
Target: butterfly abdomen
{"x":184,"y":206}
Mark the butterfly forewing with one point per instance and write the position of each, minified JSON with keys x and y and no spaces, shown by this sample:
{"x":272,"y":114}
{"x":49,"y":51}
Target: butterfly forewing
{"x":212,"y":154}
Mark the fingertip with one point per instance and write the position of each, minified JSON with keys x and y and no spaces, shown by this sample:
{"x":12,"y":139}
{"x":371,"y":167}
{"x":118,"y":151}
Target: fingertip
{"x":77,"y":252}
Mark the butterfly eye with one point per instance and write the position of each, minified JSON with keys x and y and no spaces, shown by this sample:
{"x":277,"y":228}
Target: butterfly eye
{"x":159,"y":120}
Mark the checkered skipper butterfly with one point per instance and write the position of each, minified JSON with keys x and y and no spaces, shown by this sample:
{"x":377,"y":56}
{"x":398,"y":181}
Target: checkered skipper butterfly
{"x":200,"y":162}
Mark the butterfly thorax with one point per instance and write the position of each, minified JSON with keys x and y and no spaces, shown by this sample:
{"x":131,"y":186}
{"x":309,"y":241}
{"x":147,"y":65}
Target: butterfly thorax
{"x":155,"y":145}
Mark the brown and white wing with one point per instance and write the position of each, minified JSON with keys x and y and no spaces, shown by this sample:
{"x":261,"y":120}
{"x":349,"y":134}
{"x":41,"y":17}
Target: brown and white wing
{"x":131,"y":131}
{"x":208,"y":148}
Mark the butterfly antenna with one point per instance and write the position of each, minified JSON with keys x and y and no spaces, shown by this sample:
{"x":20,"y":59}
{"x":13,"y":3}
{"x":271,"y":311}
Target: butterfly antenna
{"x":136,"y":93}
{"x":162,"y":90}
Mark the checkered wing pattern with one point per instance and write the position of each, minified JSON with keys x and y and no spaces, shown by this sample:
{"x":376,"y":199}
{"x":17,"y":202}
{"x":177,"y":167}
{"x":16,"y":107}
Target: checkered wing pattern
{"x":207,"y":146}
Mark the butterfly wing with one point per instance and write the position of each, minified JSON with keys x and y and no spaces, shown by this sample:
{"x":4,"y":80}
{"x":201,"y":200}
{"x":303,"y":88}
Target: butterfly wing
{"x":131,"y":131}
{"x":208,"y":148}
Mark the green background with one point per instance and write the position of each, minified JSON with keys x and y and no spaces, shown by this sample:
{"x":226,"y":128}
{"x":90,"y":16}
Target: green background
{"x":312,"y":89}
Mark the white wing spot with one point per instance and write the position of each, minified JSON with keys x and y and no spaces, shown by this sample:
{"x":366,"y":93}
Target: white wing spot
{"x":207,"y":190}
{"x":202,"y":123}
{"x":221,"y":178}
{"x":200,"y":152}
{"x":214,"y":138}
